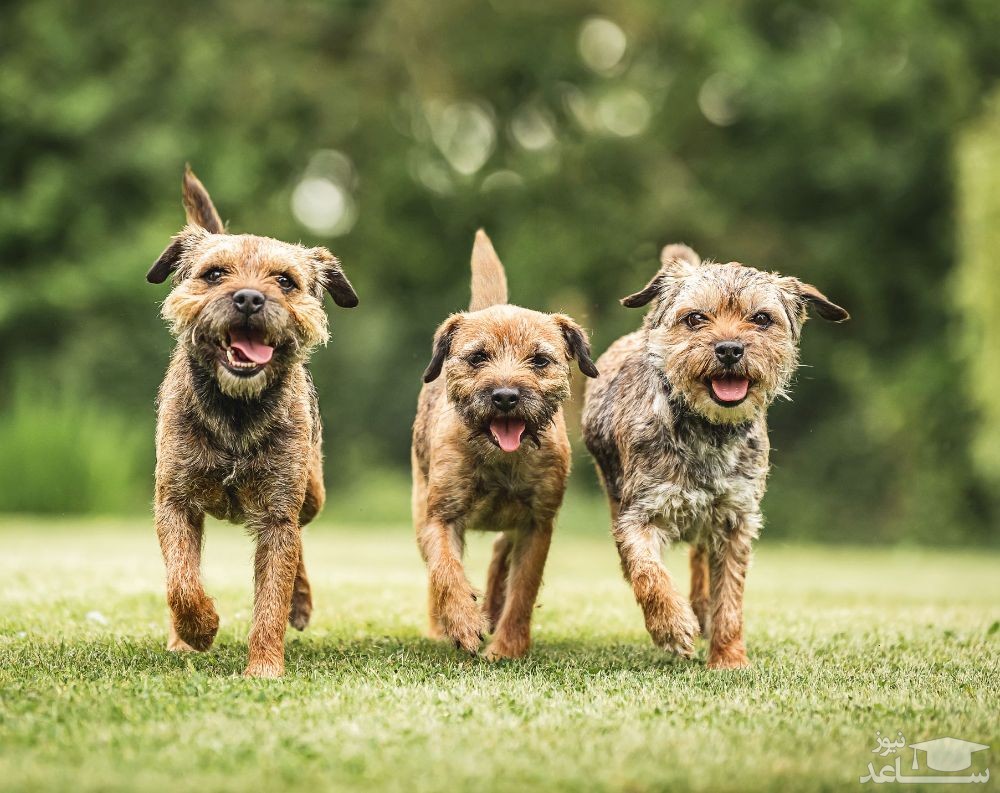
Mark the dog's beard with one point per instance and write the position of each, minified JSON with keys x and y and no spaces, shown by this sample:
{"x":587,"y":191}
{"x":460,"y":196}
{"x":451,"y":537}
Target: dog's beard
{"x":727,"y":395}
{"x":245,"y":356}
{"x":504,"y":430}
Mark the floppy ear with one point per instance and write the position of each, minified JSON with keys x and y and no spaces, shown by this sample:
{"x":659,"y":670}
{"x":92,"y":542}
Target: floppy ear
{"x":577,"y":344}
{"x":167,"y":263}
{"x":646,"y":294}
{"x":333,"y":279}
{"x":676,"y":261}
{"x":442,"y":347}
{"x":828,"y":310}
{"x":170,"y":259}
{"x":198,"y":204}
{"x":809,"y":296}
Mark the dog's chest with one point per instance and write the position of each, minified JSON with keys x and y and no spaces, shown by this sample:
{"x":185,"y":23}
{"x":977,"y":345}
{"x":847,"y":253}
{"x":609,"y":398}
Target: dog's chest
{"x":503,"y":499}
{"x":700,"y":492}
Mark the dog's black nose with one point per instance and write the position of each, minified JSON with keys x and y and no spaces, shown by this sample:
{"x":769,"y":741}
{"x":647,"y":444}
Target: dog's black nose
{"x":506,"y":398}
{"x":249,"y":301}
{"x":729,"y":352}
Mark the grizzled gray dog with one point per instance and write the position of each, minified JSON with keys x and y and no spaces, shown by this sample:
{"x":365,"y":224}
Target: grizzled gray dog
{"x":677,"y":424}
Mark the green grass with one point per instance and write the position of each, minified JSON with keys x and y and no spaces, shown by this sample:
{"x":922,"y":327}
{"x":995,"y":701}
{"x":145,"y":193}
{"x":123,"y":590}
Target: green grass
{"x":843,"y":641}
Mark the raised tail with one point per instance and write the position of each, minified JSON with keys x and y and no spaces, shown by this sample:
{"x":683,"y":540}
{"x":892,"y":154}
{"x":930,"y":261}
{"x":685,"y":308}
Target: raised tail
{"x":489,"y":282}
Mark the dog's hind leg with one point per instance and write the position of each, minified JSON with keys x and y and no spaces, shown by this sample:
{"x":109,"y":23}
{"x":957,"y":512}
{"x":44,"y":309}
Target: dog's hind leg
{"x":527,"y":562}
{"x":301,"y":610}
{"x":194,"y":621}
{"x":496,"y":580}
{"x":700,"y":595}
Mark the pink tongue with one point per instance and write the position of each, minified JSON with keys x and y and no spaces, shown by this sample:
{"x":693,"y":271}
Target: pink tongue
{"x":730,"y":389}
{"x":508,"y":433}
{"x":256,"y":351}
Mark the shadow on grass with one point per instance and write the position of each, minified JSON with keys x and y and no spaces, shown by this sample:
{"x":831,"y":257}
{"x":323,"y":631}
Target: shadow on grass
{"x":379,"y":657}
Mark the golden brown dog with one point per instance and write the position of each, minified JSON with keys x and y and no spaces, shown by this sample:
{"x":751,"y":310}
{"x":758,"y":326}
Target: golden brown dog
{"x":490,"y":452}
{"x":677,"y":423}
{"x":238,"y":435}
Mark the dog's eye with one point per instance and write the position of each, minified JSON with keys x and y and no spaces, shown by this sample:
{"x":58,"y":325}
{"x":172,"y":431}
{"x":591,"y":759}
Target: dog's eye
{"x":214,"y":275}
{"x":540,"y":361}
{"x":285,"y":282}
{"x":695,"y":319}
{"x":477,"y":359}
{"x":762,"y":319}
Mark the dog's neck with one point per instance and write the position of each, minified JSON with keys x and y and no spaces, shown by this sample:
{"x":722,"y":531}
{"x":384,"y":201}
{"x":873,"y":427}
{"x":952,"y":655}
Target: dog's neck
{"x":238,"y":423}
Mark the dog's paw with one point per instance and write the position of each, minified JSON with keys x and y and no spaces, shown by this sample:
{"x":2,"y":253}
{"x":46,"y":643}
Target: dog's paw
{"x":674,"y":629}
{"x":301,"y":611}
{"x":465,"y":624}
{"x":508,"y":646}
{"x":265,"y":670}
{"x":175,"y":644}
{"x":196,"y":627}
{"x":732,"y":657}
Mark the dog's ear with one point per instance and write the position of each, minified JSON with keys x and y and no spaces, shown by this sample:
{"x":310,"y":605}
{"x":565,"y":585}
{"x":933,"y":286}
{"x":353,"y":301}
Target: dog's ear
{"x":676,"y":261}
{"x":808,"y":296}
{"x":826,"y":309}
{"x":333,"y":280}
{"x":576,"y":343}
{"x":198,"y":204}
{"x":171,"y":257}
{"x":442,"y":347}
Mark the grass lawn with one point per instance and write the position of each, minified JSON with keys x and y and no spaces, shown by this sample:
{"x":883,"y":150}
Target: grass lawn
{"x":844,"y":642}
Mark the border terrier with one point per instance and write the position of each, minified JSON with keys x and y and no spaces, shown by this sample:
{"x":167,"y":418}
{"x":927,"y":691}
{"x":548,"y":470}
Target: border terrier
{"x":238,"y":434}
{"x":490,"y":452}
{"x":677,"y":426}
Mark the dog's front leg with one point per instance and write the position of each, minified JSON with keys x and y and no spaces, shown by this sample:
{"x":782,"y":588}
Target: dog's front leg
{"x":669,"y":618}
{"x":279,"y":550}
{"x":193,"y":620}
{"x":527,"y":562}
{"x":729,"y":558}
{"x":452,"y":603}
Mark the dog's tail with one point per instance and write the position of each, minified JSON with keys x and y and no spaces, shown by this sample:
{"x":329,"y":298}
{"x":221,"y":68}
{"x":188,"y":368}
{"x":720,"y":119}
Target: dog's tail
{"x":489,"y":282}
{"x":198,"y":204}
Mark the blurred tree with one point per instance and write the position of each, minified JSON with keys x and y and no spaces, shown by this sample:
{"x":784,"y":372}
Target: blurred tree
{"x":813,"y":138}
{"x":978,"y":277}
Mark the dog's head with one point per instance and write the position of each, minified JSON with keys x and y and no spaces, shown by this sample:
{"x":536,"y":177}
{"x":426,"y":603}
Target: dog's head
{"x":726,"y":335}
{"x":246,"y":308}
{"x":507,"y":369}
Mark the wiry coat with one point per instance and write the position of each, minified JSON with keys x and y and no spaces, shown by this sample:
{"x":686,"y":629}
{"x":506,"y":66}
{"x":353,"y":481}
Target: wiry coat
{"x":240,"y":442}
{"x":675,"y":462}
{"x":463,"y":480}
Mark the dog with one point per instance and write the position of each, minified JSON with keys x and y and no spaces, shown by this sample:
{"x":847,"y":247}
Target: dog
{"x":677,"y":426}
{"x":238,"y":433}
{"x":490,"y":452}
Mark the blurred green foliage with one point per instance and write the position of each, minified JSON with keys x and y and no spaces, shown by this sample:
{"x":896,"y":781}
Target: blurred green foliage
{"x":978,"y":283}
{"x":816,"y":138}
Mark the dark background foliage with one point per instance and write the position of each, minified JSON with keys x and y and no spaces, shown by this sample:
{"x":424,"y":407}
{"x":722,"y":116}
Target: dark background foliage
{"x":814,"y":138}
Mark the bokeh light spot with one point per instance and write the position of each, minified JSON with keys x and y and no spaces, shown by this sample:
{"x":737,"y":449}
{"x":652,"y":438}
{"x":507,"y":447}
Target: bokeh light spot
{"x":602,"y":44}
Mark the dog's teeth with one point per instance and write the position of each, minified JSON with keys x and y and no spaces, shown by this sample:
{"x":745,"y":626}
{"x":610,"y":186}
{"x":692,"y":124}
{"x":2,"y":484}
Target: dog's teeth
{"x":229,"y":355}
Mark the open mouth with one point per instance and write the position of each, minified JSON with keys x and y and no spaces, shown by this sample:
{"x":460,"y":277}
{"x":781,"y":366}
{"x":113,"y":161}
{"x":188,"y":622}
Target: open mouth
{"x":244,"y":352}
{"x":507,"y":432}
{"x":729,"y":390}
